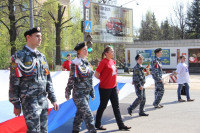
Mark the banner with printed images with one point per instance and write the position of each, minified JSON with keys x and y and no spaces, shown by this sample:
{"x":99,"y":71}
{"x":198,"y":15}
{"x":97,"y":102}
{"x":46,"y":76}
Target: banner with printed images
{"x":149,"y":55}
{"x":194,"y":57}
{"x":111,"y":24}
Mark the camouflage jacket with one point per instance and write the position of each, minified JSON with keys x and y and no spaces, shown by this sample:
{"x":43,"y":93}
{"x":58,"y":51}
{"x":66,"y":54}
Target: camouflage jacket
{"x":29,"y":77}
{"x":80,"y":79}
{"x":156,"y":67}
{"x":138,"y":76}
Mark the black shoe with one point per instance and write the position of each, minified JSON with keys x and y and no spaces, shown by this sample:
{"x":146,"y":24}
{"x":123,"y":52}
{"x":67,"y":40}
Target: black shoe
{"x":124,"y":127}
{"x":100,"y":128}
{"x":129,"y":111}
{"x":161,"y":106}
{"x":143,"y":114}
{"x":156,"y":106}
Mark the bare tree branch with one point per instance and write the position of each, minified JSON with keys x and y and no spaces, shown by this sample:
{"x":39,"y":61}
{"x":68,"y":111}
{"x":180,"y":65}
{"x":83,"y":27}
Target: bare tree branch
{"x":66,"y":21}
{"x":20,"y":19}
{"x":180,"y":15}
{"x":4,"y":24}
{"x":66,"y":26}
{"x":20,"y":26}
{"x":63,"y":12}
{"x":37,"y":15}
{"x":50,"y":13}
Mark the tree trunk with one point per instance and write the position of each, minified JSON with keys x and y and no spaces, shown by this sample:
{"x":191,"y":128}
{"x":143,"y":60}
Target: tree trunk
{"x":12,"y":31}
{"x":58,"y":36}
{"x":58,"y":42}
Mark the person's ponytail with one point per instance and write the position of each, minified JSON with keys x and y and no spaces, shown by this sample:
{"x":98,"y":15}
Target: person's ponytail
{"x":107,"y":48}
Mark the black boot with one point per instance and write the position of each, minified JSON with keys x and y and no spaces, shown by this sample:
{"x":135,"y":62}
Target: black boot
{"x":143,"y":114}
{"x":124,"y":127}
{"x":129,"y":111}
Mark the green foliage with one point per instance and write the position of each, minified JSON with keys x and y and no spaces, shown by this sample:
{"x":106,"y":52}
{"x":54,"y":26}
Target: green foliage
{"x":193,"y":19}
{"x":166,"y":33}
{"x":48,"y":31}
{"x":95,"y":56}
{"x":149,"y":28}
{"x":4,"y":47}
{"x":73,"y":34}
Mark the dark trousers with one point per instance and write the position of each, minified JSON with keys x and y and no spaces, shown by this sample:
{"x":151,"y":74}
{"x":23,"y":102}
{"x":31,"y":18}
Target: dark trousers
{"x":159,"y":92}
{"x":141,"y":99}
{"x":105,"y":96}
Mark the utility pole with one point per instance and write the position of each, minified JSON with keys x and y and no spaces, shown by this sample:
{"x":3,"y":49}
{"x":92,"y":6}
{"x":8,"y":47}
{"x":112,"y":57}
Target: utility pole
{"x":31,"y":14}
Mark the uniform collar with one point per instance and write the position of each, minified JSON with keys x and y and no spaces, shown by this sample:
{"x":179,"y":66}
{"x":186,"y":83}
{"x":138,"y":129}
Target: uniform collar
{"x":139,"y":65}
{"x":34,"y":51}
{"x":157,"y":58}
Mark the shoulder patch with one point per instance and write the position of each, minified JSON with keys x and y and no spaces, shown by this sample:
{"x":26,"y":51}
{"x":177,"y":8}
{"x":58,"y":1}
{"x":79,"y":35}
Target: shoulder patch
{"x":13,"y":65}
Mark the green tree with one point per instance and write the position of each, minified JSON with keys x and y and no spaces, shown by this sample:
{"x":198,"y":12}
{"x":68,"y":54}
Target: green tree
{"x":15,"y":17}
{"x":149,"y":28}
{"x":181,"y":21}
{"x":166,"y":33}
{"x":193,"y":20}
{"x":59,"y":24}
{"x":74,"y":35}
{"x":155,"y":28}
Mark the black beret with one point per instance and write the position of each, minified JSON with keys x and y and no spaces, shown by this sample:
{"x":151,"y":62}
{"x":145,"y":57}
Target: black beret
{"x":80,"y":45}
{"x":31,"y":31}
{"x":157,"y":50}
{"x":138,"y":56}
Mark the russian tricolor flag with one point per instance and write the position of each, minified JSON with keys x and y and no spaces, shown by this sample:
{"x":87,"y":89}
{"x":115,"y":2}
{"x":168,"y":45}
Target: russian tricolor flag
{"x":11,"y":124}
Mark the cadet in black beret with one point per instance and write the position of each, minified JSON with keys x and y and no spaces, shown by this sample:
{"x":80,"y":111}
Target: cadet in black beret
{"x":30,"y":83}
{"x":157,"y":50}
{"x":31,"y":31}
{"x":138,"y":56}
{"x":80,"y":45}
{"x":156,"y":67}
{"x":80,"y":81}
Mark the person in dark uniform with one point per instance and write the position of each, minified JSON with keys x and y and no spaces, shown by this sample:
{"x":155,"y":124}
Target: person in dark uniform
{"x":31,"y":84}
{"x":80,"y":81}
{"x":108,"y":90}
{"x":156,"y":67}
{"x":139,"y":81}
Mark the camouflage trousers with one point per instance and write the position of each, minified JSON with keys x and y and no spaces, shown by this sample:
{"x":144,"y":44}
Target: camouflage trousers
{"x":141,"y":99}
{"x":35,"y":112}
{"x":159,"y":92}
{"x":81,"y":100}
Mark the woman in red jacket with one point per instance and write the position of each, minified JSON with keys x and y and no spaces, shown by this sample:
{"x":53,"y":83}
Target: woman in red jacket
{"x":107,"y":73}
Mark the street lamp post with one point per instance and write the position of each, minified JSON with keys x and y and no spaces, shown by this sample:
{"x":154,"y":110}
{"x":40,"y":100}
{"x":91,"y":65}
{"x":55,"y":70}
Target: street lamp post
{"x":31,"y":14}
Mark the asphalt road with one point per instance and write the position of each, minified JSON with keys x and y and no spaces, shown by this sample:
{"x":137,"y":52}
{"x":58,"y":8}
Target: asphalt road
{"x":175,"y":117}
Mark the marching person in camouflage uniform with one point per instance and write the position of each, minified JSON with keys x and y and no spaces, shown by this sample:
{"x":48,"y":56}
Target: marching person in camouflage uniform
{"x":80,"y":81}
{"x":30,"y":83}
{"x":156,"y":67}
{"x":139,"y":81}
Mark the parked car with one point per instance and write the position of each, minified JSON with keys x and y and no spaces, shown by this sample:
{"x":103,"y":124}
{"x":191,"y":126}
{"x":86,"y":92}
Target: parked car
{"x":114,"y":26}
